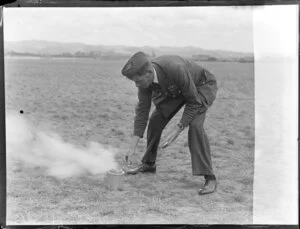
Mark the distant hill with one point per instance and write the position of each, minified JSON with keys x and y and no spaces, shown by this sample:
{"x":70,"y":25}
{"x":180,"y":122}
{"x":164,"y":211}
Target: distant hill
{"x":57,"y":48}
{"x":49,"y":47}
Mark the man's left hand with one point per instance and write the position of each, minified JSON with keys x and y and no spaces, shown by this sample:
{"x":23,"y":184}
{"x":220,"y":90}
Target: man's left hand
{"x":172,"y":136}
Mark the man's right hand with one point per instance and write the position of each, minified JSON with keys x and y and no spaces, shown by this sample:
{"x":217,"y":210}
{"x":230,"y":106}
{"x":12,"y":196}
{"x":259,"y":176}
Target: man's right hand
{"x":131,"y":149}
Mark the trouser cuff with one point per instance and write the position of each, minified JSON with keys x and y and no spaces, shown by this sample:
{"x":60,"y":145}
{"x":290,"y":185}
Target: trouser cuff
{"x":210,"y":177}
{"x":150,"y":163}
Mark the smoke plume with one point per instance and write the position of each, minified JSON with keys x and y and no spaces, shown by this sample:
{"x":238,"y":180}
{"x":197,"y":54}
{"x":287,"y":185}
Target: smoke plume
{"x":32,"y":148}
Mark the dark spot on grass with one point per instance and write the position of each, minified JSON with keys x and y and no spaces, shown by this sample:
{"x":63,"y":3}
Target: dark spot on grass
{"x":181,"y":151}
{"x":248,"y":131}
{"x":246,"y":181}
{"x":148,"y":193}
{"x":107,"y":213}
{"x":224,"y":131}
{"x":155,"y":210}
{"x":229,"y":189}
{"x":59,"y":117}
{"x":230,"y":141}
{"x":239,"y":199}
{"x":117,"y":132}
{"x":99,"y":124}
{"x":214,"y":143}
{"x":105,"y":116}
{"x":249,"y":145}
{"x":186,"y":144}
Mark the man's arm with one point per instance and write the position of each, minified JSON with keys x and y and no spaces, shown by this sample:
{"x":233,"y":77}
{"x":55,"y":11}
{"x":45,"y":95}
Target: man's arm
{"x":142,"y":112}
{"x":183,"y":79}
{"x":134,"y":142}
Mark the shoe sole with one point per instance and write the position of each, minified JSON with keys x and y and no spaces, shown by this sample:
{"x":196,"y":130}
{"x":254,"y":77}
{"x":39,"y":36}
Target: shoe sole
{"x":205,"y":193}
{"x":134,"y":173}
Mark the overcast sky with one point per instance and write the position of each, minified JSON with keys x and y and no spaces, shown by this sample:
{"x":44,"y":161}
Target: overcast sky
{"x":206,"y":27}
{"x":226,"y":28}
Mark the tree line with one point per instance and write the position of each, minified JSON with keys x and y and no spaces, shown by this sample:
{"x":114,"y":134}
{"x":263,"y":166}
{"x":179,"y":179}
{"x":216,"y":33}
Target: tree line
{"x":79,"y":54}
{"x":111,"y":55}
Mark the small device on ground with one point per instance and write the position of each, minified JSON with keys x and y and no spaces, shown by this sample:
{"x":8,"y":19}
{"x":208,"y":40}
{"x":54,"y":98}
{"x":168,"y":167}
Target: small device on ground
{"x":115,"y":179}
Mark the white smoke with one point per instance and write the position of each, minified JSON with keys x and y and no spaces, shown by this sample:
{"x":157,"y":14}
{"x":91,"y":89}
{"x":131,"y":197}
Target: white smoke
{"x":32,"y":148}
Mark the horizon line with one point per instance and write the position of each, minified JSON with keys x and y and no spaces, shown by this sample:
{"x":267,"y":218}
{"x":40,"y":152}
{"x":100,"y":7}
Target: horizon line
{"x":131,"y":46}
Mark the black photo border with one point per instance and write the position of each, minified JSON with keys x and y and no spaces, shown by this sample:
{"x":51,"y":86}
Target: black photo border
{"x":121,"y":3}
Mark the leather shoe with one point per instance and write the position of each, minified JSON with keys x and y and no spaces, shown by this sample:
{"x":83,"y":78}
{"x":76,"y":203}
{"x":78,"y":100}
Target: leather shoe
{"x":143,"y":168}
{"x":209,"y":187}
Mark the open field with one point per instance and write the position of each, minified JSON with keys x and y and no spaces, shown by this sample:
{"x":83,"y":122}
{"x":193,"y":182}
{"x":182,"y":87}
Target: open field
{"x":88,"y":100}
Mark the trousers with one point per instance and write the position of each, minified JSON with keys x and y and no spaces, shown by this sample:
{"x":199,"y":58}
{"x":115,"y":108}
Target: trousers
{"x":197,"y":140}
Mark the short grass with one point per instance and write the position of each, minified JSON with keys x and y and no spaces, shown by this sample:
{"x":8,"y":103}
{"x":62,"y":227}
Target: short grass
{"x":89,"y":100}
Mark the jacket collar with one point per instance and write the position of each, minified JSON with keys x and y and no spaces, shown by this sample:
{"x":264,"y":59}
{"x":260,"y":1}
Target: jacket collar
{"x":160,"y":76}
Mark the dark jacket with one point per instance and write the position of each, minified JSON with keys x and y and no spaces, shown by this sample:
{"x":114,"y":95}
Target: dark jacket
{"x":182,"y":81}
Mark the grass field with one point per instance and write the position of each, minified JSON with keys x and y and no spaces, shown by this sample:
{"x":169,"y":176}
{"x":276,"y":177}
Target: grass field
{"x":88,"y":100}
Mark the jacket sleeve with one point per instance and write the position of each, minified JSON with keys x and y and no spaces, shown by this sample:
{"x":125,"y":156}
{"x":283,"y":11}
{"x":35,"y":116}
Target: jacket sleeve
{"x":142,"y":110}
{"x":183,"y":79}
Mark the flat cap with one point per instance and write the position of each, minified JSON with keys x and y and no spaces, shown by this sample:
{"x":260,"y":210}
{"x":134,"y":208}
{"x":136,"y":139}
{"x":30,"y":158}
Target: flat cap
{"x":134,"y":64}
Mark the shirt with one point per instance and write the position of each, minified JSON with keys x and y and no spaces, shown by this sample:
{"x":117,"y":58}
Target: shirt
{"x":155,"y":80}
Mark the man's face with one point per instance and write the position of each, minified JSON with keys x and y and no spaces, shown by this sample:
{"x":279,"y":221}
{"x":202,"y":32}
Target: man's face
{"x":143,"y":81}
